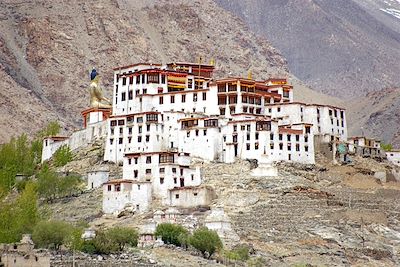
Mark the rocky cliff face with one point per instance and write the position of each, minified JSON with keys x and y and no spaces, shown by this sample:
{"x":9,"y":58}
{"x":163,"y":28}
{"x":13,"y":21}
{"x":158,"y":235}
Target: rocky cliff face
{"x":344,"y":48}
{"x":47,"y":49}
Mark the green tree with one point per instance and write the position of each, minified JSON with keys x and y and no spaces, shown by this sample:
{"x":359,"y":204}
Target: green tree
{"x":171,"y":233}
{"x":19,"y":216}
{"x":206,"y":241}
{"x":52,"y":234}
{"x":386,"y":147}
{"x":123,"y":236}
{"x":62,"y":156}
{"x":47,"y":183}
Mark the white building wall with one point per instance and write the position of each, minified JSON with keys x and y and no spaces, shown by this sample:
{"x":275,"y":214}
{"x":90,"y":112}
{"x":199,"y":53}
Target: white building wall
{"x":394,"y":157}
{"x":96,"y":178}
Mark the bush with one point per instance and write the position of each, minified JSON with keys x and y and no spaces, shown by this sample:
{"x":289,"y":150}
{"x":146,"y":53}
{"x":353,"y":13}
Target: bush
{"x":110,"y":241}
{"x":62,"y":156}
{"x":171,"y":233}
{"x":51,"y":234}
{"x":386,"y":147}
{"x":123,"y":236}
{"x":240,"y":253}
{"x":51,"y":185}
{"x":206,"y":241}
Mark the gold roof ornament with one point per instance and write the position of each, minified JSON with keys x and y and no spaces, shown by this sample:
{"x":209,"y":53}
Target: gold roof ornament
{"x":212,"y":62}
{"x":249,"y":75}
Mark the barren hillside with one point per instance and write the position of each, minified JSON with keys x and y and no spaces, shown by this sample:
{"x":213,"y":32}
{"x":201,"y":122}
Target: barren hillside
{"x":343,"y":48}
{"x":47,"y":49}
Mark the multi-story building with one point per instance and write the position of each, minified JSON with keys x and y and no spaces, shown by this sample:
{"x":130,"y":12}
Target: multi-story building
{"x":164,"y":115}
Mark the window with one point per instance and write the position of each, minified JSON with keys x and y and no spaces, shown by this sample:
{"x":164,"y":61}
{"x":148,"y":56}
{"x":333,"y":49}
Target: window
{"x":151,"y":117}
{"x":123,"y":96}
{"x":121,"y":122}
{"x":280,"y":146}
{"x":121,"y":130}
{"x":162,"y":170}
{"x":204,"y":132}
{"x":173,"y":170}
{"x":181,"y":170}
{"x":131,"y":80}
{"x":190,"y":83}
{"x":197,"y":132}
{"x":136,"y":160}
{"x":256,"y":146}
{"x":137,"y":79}
{"x":109,"y":187}
{"x":148,"y":127}
{"x":289,"y":137}
{"x":147,"y":138}
{"x":279,"y":109}
{"x":263,"y":126}
{"x":297,"y":147}
{"x":113,"y":123}
{"x":243,"y":127}
{"x":161,"y":180}
{"x":163,"y":78}
{"x":188,"y":134}
{"x":140,"y":129}
{"x":111,"y":141}
{"x":257,"y":135}
{"x":297,"y":138}
{"x":330,"y":112}
{"x":183,"y":98}
{"x":175,"y":180}
{"x":204,"y":96}
{"x":248,"y":127}
{"x":139,"y":119}
{"x":139,"y":139}
{"x":124,"y":81}
{"x":306,"y":139}
{"x":308,"y":129}
{"x":195,"y":97}
{"x":153,"y":78}
{"x":172,"y":99}
{"x":177,"y":196}
{"x":148,"y":160}
{"x":271,"y":146}
{"x":248,"y":137}
{"x":143,"y":78}
{"x":280,"y":136}
{"x":306,"y":148}
{"x":120,"y":140}
{"x":271,"y":136}
{"x":148,"y":171}
{"x":211,"y":123}
{"x":144,"y":91}
{"x":135,"y":173}
{"x":166,"y":158}
{"x":234,"y":128}
{"x":247,"y":146}
{"x":161,"y":100}
{"x":130,"y":95}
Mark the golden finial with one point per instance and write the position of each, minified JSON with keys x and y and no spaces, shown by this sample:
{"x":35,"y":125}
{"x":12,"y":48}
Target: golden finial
{"x":249,"y":75}
{"x":212,"y":62}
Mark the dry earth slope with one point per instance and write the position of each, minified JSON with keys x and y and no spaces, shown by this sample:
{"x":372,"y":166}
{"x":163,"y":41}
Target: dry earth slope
{"x":47,"y":49}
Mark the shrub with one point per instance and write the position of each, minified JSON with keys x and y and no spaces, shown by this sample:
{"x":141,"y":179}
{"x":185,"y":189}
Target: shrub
{"x":62,"y":156}
{"x":123,"y":236}
{"x":240,"y":253}
{"x":110,"y":241}
{"x":171,"y":233}
{"x":51,"y":234}
{"x":206,"y":241}
{"x":386,"y":147}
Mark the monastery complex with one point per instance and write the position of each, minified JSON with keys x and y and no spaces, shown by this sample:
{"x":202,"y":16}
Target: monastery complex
{"x":161,"y":117}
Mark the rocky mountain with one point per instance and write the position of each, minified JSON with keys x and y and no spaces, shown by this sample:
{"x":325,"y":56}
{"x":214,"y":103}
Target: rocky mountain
{"x":344,"y":48}
{"x":47,"y":49}
{"x":382,"y":117}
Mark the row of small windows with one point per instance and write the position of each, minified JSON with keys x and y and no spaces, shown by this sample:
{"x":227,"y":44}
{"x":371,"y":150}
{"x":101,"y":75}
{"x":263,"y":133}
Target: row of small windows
{"x":281,"y":146}
{"x":141,"y":79}
{"x":183,"y":98}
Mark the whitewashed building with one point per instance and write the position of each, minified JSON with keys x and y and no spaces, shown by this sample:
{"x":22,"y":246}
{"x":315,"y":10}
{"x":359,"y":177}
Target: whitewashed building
{"x":164,"y":115}
{"x":394,"y":156}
